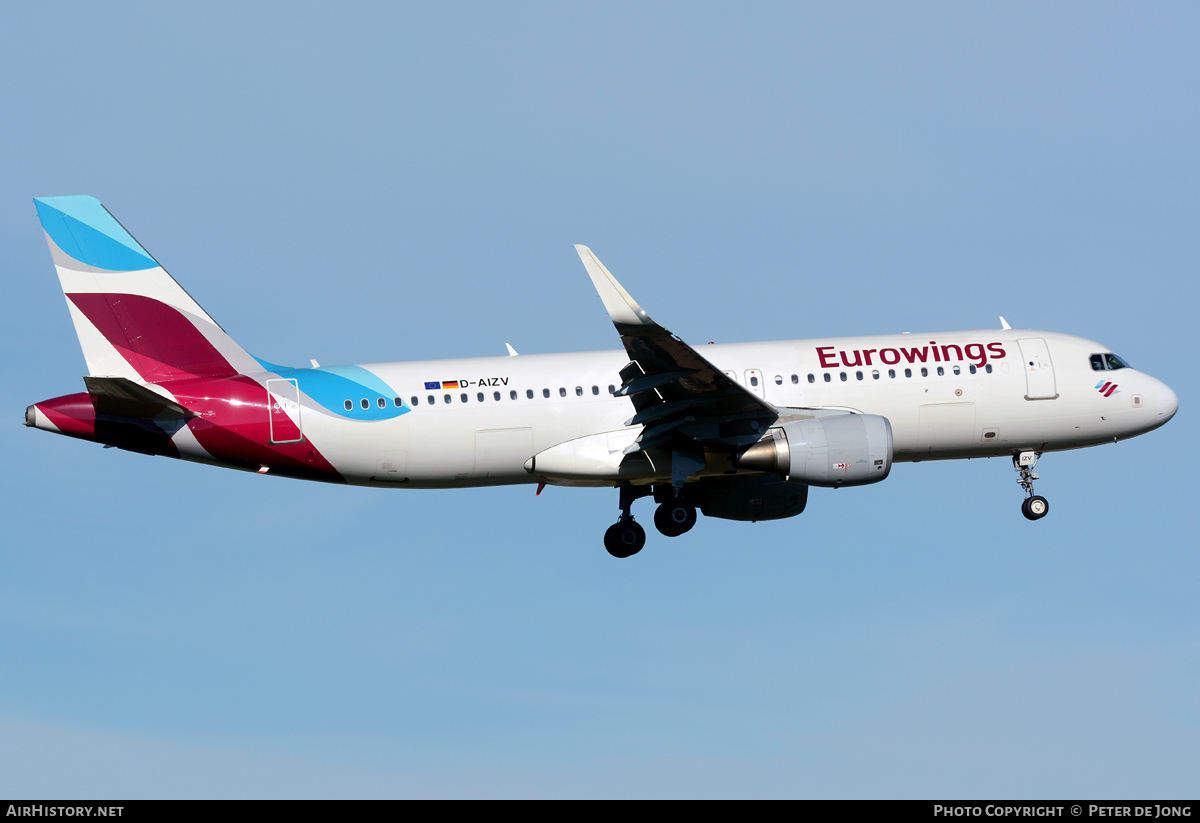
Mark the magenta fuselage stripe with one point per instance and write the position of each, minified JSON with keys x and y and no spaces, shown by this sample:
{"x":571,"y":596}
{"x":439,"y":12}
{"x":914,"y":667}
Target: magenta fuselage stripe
{"x":234,"y":426}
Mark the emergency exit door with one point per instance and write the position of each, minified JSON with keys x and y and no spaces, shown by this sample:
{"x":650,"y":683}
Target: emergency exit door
{"x":754,"y":382}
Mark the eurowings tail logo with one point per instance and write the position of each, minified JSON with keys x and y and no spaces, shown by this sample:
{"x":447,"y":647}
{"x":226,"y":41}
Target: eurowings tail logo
{"x":1105,"y":388}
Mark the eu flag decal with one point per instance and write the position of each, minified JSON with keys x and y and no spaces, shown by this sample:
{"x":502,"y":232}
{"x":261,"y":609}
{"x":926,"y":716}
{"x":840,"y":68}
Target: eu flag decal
{"x":434,"y":386}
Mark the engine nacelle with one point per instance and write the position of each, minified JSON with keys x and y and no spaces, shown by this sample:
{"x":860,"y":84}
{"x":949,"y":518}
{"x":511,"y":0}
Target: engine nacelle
{"x":841,"y":450}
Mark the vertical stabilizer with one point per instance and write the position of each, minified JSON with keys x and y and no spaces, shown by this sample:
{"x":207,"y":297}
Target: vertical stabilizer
{"x":133,"y":320}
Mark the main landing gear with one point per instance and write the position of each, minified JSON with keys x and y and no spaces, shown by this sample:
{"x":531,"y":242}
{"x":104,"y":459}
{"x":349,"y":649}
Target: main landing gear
{"x":674,"y":516}
{"x":1035,"y":506}
{"x":626,"y":537}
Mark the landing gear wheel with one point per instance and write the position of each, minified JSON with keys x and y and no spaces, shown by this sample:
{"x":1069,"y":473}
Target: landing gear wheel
{"x":1035,"y":508}
{"x":624,"y":538}
{"x":675,"y":517}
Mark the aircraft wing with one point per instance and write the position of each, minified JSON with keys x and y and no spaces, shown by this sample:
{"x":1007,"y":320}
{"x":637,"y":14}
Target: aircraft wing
{"x":678,"y":395}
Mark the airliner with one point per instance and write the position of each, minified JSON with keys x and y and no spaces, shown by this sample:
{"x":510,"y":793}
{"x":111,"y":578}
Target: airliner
{"x":737,"y":431}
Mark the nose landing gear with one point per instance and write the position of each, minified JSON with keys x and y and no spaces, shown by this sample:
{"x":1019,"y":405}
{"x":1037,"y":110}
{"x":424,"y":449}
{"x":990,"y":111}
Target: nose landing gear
{"x":1035,"y":507}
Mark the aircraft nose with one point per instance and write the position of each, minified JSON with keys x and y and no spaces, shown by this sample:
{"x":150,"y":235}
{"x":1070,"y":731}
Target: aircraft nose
{"x":1168,"y":403}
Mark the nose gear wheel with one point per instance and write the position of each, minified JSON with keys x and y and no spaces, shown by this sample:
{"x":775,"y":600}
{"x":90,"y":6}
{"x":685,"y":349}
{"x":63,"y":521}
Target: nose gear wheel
{"x":1035,"y":507}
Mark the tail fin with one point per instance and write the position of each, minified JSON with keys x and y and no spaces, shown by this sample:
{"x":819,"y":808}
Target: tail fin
{"x":133,"y":320}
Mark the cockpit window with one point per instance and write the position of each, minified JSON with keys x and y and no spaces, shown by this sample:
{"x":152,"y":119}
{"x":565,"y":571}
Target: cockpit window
{"x":1107,"y":362}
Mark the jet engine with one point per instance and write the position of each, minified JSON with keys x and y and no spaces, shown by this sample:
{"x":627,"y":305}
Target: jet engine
{"x":841,"y":450}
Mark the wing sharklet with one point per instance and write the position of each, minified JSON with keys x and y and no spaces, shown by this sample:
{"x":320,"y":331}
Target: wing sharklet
{"x":622,"y":308}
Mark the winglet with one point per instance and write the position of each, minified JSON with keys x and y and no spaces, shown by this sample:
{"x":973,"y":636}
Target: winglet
{"x":622,"y":308}
{"x":511,"y":351}
{"x":1004,"y":323}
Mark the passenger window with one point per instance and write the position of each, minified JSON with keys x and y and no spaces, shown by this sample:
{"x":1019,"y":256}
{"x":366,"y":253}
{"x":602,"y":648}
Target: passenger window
{"x":843,"y":376}
{"x":447,"y":398}
{"x":495,"y":395}
{"x":349,"y":405}
{"x":366,"y":404}
{"x":941,"y":372}
{"x":400,"y":402}
{"x":545,"y":392}
{"x":612,"y":389}
{"x":1115,"y":362}
{"x":579,"y":391}
{"x":596,"y":390}
{"x":812,"y":379}
{"x":892,"y":373}
{"x":753,"y":380}
{"x":858,"y":374}
{"x":479,"y":397}
{"x":908,"y":372}
{"x":430,"y":399}
{"x":924,"y":372}
{"x":415,"y":400}
{"x":779,"y":380}
{"x":972,"y":367}
{"x":796,"y":378}
{"x":828,"y":377}
{"x":957,"y":370}
{"x":512,"y":395}
{"x":875,"y":374}
{"x":988,"y":368}
{"x":1097,"y":362}
{"x":562,"y":392}
{"x":529,"y":394}
{"x":383,"y":403}
{"x":463,"y":398}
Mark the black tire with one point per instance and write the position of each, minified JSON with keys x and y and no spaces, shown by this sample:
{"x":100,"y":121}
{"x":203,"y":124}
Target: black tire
{"x":1035,"y":508}
{"x":675,"y":517}
{"x":624,"y":538}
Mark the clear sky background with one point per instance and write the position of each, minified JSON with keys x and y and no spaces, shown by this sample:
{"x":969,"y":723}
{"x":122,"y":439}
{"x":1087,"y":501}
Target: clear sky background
{"x":358,"y":183}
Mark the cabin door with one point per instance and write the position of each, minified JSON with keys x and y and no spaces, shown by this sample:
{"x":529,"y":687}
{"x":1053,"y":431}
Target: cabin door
{"x":283,"y":399}
{"x":1039,"y":371}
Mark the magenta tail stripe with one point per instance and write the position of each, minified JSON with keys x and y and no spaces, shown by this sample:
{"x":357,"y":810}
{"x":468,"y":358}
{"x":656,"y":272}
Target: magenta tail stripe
{"x":158,"y":340}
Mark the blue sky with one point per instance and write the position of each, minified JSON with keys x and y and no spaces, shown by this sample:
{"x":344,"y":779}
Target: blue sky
{"x":388,"y":182}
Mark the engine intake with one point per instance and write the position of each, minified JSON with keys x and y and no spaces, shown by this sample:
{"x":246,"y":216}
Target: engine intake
{"x":842,"y":450}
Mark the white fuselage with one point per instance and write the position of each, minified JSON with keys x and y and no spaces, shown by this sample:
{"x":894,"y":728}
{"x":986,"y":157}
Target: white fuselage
{"x":481,"y":434}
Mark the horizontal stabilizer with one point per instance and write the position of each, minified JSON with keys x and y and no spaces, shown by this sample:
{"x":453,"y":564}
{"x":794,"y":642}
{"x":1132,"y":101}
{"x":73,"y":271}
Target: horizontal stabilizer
{"x":122,"y":397}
